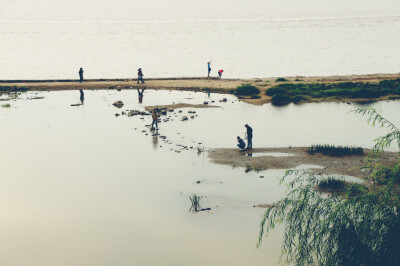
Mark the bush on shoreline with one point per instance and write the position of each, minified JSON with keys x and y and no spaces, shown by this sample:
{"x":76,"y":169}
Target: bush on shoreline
{"x":339,"y":90}
{"x":247,"y":90}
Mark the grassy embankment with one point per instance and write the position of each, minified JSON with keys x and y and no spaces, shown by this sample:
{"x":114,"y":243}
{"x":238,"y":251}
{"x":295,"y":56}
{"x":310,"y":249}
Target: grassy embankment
{"x":284,"y":91}
{"x":290,"y":92}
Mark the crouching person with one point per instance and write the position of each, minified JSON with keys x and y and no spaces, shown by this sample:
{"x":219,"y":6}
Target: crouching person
{"x":241,"y":143}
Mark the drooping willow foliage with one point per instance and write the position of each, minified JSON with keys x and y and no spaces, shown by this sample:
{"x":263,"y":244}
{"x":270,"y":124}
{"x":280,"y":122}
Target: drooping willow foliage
{"x":361,"y":227}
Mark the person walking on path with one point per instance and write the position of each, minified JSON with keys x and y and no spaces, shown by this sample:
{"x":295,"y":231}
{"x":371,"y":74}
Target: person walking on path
{"x":154,"y":115}
{"x":140,"y":76}
{"x":209,"y":68}
{"x":80,"y":75}
{"x":241,"y":143}
{"x":220,"y":73}
{"x":249,"y":135}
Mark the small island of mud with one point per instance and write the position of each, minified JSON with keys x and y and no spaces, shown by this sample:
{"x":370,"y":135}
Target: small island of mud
{"x":180,"y":105}
{"x":290,"y":158}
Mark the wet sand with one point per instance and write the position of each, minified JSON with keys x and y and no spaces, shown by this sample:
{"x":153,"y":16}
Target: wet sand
{"x":213,"y":85}
{"x":345,"y":165}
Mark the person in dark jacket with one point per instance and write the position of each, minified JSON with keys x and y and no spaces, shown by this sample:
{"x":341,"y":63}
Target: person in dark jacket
{"x":241,"y":143}
{"x":140,"y":76}
{"x":249,"y":135}
{"x":80,"y":75}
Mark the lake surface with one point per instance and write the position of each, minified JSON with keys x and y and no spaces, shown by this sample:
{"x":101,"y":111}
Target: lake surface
{"x":52,"y":39}
{"x":80,"y":186}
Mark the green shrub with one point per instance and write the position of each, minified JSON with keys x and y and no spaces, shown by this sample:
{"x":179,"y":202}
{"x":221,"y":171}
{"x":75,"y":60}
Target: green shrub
{"x":299,"y":98}
{"x":255,"y":96}
{"x":281,"y":80}
{"x":247,"y":90}
{"x":355,"y":190}
{"x":274,"y":90}
{"x":281,"y":98}
{"x":366,"y":93}
{"x":7,"y":105}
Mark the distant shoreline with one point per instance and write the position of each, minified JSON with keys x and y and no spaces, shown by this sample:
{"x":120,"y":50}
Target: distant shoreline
{"x":201,"y":84}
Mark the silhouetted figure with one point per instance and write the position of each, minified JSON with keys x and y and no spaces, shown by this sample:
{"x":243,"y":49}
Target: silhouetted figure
{"x":241,"y":143}
{"x":80,"y":75}
{"x":154,"y":115}
{"x":209,"y":68}
{"x":220,"y":73}
{"x":140,"y":95}
{"x":140,"y":76}
{"x":249,"y":135}
{"x":82,"y":97}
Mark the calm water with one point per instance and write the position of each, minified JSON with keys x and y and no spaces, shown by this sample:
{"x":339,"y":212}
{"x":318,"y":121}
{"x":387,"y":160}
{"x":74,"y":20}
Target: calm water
{"x":43,"y":39}
{"x":79,"y":186}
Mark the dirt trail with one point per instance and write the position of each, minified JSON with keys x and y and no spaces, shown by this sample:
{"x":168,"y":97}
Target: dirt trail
{"x":190,"y":84}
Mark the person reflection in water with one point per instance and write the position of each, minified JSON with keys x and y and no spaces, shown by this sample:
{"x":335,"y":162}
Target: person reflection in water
{"x":82,"y":97}
{"x":140,"y":94}
{"x":155,"y":141}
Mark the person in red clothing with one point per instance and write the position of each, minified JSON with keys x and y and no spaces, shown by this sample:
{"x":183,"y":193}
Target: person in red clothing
{"x":220,"y":73}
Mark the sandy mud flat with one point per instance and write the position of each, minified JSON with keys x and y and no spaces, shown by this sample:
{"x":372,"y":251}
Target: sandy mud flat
{"x":194,"y":84}
{"x":346,"y":165}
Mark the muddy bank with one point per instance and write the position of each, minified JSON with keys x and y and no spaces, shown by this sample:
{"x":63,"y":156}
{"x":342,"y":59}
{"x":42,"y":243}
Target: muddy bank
{"x":213,"y":85}
{"x":289,"y":158}
{"x":180,"y":105}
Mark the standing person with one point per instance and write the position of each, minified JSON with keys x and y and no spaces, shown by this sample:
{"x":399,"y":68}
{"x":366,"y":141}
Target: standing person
{"x":209,"y":68}
{"x":154,"y":115}
{"x":140,"y":76}
{"x":249,"y":135}
{"x":220,"y":73}
{"x":241,"y":143}
{"x":80,"y":75}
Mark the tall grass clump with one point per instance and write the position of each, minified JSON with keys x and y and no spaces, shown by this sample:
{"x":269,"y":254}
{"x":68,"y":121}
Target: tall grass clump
{"x":331,"y":183}
{"x":281,"y":98}
{"x":195,"y":199}
{"x":333,"y":150}
{"x":247,"y":90}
